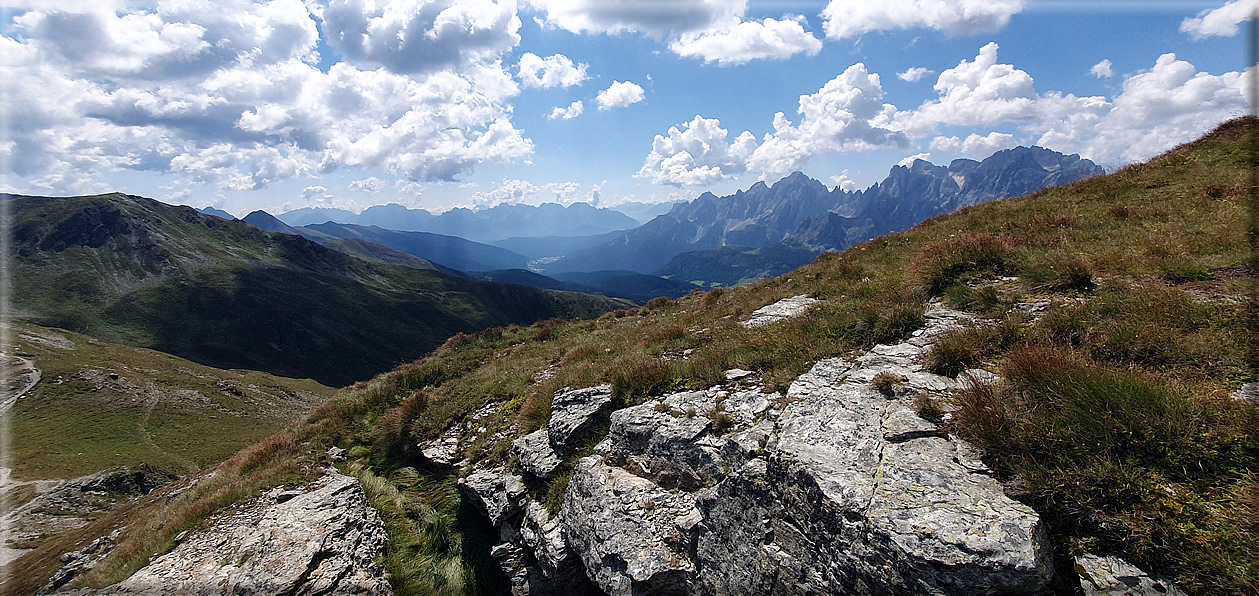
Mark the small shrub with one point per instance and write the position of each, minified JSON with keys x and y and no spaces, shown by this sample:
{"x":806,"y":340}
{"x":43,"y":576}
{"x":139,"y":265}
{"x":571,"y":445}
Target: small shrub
{"x":582,"y":352}
{"x":1179,"y":273}
{"x":555,"y":490}
{"x":713,"y":296}
{"x":1059,"y":273}
{"x":719,"y":419}
{"x":665,"y":334}
{"x":658,"y":303}
{"x":898,"y":322}
{"x":1119,"y":211}
{"x":886,"y":382}
{"x":1214,"y":191}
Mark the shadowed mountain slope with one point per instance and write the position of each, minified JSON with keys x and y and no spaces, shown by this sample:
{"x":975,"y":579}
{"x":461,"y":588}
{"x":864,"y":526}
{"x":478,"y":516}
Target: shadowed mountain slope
{"x":225,"y":293}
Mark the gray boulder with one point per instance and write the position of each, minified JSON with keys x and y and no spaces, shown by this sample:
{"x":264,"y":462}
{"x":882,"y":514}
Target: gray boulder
{"x":575,"y":413}
{"x":498,"y":496}
{"x":536,"y":455}
{"x":323,"y":539}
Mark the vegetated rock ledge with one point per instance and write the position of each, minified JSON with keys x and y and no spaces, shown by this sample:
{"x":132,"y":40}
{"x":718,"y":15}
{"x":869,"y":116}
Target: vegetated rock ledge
{"x":320,"y":539}
{"x":835,"y":487}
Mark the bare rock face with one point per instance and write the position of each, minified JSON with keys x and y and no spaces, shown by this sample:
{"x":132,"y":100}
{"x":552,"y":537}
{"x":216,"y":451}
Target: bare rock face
{"x":323,"y":539}
{"x":836,"y":487}
{"x":574,"y":413}
{"x":535,"y":454}
{"x":627,"y":531}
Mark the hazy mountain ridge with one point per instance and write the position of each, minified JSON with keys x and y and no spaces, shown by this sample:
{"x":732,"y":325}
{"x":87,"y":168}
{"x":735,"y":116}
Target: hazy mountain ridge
{"x":486,"y":225}
{"x":226,"y":293}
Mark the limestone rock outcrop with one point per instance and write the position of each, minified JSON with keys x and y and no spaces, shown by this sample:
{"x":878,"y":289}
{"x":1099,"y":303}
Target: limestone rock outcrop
{"x":321,"y":539}
{"x":834,"y":487}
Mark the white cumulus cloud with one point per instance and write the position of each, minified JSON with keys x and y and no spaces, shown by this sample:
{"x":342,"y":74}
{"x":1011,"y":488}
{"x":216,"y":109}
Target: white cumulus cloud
{"x":619,"y":94}
{"x":696,"y":154}
{"x":846,"y":114}
{"x":228,"y":93}
{"x":1102,"y":70}
{"x":915,"y":74}
{"x":851,"y":18}
{"x":1220,"y":22}
{"x":572,"y":111}
{"x":418,"y":36}
{"x":909,"y":161}
{"x":975,"y":146}
{"x":556,"y":70}
{"x":746,"y":41}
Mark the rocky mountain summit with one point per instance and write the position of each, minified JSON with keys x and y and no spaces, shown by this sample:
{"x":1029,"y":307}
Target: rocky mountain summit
{"x":799,"y":212}
{"x":836,"y":485}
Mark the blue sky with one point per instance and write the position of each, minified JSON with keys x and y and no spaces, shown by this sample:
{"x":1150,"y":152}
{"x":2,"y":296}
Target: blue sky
{"x":284,"y":104}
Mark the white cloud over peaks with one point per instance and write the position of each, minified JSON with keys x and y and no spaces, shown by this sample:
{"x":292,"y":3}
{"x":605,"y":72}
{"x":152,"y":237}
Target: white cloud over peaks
{"x":619,"y":94}
{"x":420,"y":36}
{"x":1102,"y":70}
{"x":657,"y":18}
{"x":696,"y":154}
{"x":745,"y":41}
{"x":913,"y":75}
{"x":572,"y":111}
{"x":846,"y":114}
{"x":1220,"y":22}
{"x":974,"y":146}
{"x":843,"y":181}
{"x":1158,"y":109}
{"x":852,"y":18}
{"x":909,"y":161}
{"x":553,"y":71}
{"x":982,"y":92}
{"x":228,"y":93}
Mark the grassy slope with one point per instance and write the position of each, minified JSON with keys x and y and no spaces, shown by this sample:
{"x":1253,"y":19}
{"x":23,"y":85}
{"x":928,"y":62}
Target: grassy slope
{"x":136,"y":271}
{"x":1145,"y":273}
{"x":99,"y":405}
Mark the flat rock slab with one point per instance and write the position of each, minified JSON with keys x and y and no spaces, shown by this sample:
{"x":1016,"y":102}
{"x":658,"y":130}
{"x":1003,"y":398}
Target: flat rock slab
{"x":324,"y":540}
{"x":779,"y":311}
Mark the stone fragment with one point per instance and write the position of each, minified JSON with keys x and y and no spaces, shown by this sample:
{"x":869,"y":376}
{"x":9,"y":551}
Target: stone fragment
{"x":658,"y":441}
{"x":779,"y":311}
{"x":575,"y":413}
{"x":1112,"y":576}
{"x":499,"y":496}
{"x":536,"y":455}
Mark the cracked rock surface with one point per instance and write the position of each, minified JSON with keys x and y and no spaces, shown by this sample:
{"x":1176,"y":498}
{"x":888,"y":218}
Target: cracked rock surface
{"x":835,"y":487}
{"x":321,"y":539}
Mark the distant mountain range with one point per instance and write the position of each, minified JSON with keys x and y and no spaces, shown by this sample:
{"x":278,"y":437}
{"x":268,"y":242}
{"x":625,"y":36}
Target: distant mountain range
{"x":225,"y":293}
{"x":486,"y":225}
{"x":778,"y":228}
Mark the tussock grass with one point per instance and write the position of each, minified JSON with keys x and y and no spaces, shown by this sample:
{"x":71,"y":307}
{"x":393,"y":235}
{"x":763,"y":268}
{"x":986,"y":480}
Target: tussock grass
{"x":1118,"y":459}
